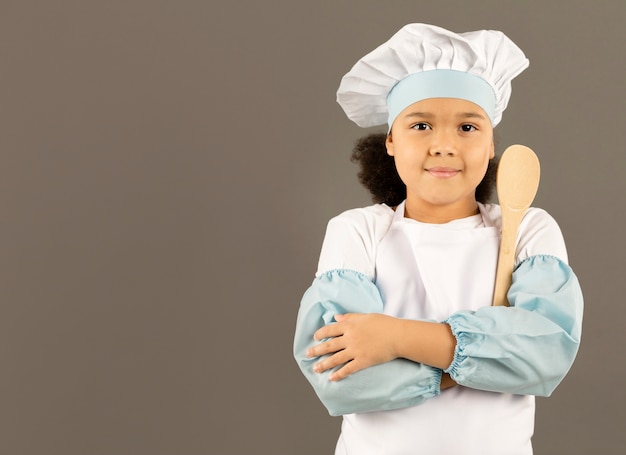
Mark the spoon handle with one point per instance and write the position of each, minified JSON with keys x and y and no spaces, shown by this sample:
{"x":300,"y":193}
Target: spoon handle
{"x":511,"y":220}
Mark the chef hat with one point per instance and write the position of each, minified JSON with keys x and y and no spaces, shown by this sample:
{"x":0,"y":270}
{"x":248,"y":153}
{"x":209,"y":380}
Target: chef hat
{"x":423,"y":61}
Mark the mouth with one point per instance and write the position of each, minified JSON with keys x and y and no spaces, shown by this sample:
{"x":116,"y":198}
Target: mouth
{"x":442,"y":172}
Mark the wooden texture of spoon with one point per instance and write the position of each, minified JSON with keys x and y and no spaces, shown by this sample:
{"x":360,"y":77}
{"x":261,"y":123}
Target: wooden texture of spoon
{"x":517,"y":181}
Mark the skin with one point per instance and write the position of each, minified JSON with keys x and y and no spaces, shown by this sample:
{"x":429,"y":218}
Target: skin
{"x":441,"y":147}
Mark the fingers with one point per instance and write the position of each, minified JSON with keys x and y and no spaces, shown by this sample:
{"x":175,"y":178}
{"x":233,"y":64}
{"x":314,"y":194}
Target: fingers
{"x":334,"y":347}
{"x":349,"y":366}
{"x":331,"y":330}
{"x":327,"y":347}
{"x":339,"y":356}
{"x":345,"y":371}
{"x":332,"y":361}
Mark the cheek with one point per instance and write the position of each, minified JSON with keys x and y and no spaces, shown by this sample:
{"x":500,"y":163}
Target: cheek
{"x":479,"y":164}
{"x":407,"y":167}
{"x":400,"y":168}
{"x":484,"y":155}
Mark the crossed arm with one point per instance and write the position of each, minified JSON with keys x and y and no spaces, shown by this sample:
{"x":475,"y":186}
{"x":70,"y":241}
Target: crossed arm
{"x":359,"y":341}
{"x":369,"y":361}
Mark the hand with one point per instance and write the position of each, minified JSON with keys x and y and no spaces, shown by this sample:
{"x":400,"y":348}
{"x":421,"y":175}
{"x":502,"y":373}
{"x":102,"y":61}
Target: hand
{"x":356,"y":341}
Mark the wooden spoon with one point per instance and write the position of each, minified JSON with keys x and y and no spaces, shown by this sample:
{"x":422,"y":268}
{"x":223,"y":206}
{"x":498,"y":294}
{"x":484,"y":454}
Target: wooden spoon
{"x":517,"y":181}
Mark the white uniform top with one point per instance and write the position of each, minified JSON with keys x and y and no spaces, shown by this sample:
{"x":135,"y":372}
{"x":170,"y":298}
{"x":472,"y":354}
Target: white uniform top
{"x":429,"y":271}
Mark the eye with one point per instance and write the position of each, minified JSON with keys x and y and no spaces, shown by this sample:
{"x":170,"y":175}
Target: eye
{"x":467,"y":128}
{"x":421,"y":126}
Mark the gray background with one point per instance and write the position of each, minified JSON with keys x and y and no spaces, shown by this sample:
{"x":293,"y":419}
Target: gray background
{"x":167,"y":170}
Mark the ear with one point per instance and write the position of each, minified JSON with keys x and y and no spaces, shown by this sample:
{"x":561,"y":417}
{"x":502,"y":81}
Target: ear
{"x":389,"y":145}
{"x":492,"y":153}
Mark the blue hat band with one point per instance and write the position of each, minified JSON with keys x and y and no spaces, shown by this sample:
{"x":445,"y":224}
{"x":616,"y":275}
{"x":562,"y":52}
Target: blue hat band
{"x":442,"y":83}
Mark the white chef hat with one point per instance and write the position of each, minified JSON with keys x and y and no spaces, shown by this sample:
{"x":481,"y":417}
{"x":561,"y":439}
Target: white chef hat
{"x":423,"y":61}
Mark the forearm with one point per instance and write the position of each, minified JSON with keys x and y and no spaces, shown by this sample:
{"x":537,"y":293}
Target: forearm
{"x":429,"y":343}
{"x":425,"y":342}
{"x":526,"y":348}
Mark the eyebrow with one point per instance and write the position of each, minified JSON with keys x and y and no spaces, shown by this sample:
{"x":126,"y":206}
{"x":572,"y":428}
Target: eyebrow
{"x":428,"y":115}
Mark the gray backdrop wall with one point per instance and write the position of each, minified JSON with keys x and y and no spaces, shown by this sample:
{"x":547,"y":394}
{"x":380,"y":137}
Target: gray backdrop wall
{"x":167,"y":170}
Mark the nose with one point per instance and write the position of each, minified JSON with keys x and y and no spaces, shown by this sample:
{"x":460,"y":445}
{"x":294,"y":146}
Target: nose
{"x":443,"y":144}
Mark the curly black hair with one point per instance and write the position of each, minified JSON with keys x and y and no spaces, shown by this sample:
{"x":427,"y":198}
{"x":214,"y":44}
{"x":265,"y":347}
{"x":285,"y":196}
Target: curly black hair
{"x":379,"y":175}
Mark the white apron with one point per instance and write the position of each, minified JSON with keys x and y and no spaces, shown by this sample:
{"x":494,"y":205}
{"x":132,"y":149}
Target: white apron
{"x":427,"y":271}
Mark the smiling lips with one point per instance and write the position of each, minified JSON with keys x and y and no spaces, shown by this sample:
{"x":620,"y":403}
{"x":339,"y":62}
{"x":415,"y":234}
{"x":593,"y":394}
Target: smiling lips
{"x":442,"y":172}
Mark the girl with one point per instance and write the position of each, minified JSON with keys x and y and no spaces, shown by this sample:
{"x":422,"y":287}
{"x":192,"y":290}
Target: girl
{"x":397,"y":332}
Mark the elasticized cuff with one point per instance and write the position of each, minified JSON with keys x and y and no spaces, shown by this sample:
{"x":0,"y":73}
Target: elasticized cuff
{"x":459,"y":357}
{"x":526,"y":348}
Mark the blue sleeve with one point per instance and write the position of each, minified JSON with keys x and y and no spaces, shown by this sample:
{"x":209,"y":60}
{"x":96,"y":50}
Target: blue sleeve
{"x":392,"y":385}
{"x":526,"y":348}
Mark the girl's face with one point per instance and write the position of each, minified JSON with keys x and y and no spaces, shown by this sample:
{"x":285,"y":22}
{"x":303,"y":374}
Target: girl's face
{"x":441,"y":148}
